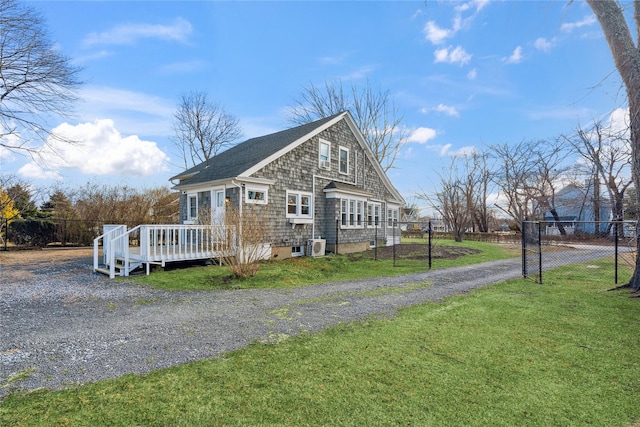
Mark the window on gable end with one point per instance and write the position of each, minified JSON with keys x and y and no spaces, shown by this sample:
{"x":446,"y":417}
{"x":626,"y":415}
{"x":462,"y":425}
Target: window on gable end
{"x":344,"y":160}
{"x":324,"y":154}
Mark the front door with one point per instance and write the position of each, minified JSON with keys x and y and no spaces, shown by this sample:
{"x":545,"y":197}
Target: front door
{"x":217,"y":210}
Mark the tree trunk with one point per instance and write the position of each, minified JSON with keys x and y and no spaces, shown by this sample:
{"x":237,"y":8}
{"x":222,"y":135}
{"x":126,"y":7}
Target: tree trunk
{"x":627,"y":60}
{"x":556,"y":218}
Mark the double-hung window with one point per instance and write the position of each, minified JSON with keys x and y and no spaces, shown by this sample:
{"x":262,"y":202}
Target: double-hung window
{"x":344,"y":160}
{"x":352,"y":213}
{"x":299,"y":204}
{"x":373,"y":214}
{"x":324,"y":154}
{"x":192,"y":206}
{"x":392,"y":217}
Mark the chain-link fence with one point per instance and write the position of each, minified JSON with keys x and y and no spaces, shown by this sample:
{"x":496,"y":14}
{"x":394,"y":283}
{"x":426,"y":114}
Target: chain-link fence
{"x":547,"y":245}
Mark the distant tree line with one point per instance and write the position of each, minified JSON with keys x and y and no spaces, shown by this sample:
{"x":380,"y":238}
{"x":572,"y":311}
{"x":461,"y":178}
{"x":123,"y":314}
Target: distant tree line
{"x":76,"y":216}
{"x":521,"y":181}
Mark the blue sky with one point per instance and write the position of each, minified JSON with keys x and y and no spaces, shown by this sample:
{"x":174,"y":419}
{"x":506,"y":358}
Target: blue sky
{"x":465,"y":74}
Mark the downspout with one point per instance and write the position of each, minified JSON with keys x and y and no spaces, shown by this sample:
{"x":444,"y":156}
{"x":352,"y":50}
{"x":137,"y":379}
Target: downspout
{"x":313,"y":197}
{"x":239,"y":231}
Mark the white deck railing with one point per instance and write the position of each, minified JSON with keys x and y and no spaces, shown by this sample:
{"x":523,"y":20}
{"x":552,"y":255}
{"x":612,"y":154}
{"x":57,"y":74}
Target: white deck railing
{"x":159,"y":244}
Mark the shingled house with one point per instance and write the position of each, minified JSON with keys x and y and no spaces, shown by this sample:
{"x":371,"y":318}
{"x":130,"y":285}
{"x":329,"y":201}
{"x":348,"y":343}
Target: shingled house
{"x":319,"y":184}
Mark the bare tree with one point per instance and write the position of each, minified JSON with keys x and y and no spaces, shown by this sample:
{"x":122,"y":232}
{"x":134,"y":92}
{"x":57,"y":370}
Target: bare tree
{"x":37,"y":82}
{"x":202,"y":128}
{"x":513,"y":177}
{"x":456,"y":197}
{"x":626,"y":56}
{"x":373,"y":111}
{"x":528,"y":175}
{"x":608,"y":154}
{"x":482,"y":178}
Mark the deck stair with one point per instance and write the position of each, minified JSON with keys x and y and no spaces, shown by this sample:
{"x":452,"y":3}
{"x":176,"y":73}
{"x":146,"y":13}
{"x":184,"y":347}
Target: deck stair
{"x":125,"y":250}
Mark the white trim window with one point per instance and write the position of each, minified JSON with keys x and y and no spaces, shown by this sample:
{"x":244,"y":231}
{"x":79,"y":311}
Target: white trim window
{"x":343,"y":160}
{"x":256,"y":194}
{"x":299,"y":204}
{"x":351,"y":213}
{"x":324,"y":154}
{"x":373,"y":215}
{"x":392,"y":217}
{"x":192,"y":206}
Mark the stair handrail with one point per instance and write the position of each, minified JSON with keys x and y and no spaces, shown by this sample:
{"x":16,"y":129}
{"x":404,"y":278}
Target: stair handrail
{"x":124,"y":246}
{"x":106,"y":245}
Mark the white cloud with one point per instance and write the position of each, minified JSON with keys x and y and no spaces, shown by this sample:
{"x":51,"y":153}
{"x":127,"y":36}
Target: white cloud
{"x":35,"y":171}
{"x":619,"y":120}
{"x":135,"y":112}
{"x":543,"y":44}
{"x":130,"y":33}
{"x":445,"y":150}
{"x":448,"y":110}
{"x":586,"y":21}
{"x":359,"y":74}
{"x":452,"y":56}
{"x":471,"y":75}
{"x":435,"y":34}
{"x":422,"y":135}
{"x":478,"y":5}
{"x":102,"y":150}
{"x":516,"y":56}
{"x":442,"y":108}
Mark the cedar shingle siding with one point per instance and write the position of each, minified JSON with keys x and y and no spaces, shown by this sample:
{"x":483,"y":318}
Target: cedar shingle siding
{"x":294,"y":166}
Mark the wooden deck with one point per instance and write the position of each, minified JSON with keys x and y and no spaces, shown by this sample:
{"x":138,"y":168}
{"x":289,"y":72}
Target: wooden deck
{"x":126,"y":250}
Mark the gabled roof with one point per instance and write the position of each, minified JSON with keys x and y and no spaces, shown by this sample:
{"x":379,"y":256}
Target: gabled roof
{"x":239,"y":159}
{"x":244,"y":159}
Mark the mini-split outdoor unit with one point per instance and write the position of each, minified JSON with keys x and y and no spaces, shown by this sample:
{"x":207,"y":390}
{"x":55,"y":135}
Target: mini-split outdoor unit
{"x":316,"y":247}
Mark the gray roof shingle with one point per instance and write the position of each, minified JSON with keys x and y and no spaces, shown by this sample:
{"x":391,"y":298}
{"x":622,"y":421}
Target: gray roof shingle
{"x":239,"y":158}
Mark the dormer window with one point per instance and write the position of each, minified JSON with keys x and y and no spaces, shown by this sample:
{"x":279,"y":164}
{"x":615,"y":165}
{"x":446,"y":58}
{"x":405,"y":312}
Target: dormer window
{"x":324,"y":155}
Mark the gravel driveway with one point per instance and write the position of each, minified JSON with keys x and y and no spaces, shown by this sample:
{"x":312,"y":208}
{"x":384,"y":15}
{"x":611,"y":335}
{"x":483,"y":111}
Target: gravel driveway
{"x":62,"y":325}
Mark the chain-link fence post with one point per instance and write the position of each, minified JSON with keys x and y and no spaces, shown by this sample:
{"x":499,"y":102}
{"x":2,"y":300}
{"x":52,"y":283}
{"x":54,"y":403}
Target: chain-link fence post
{"x":540,"y":250}
{"x":615,"y":244}
{"x":337,"y":239}
{"x":429,"y":249}
{"x":395,"y":224}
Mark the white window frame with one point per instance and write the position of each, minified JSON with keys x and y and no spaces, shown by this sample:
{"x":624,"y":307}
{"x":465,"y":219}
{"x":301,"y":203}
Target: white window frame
{"x":297,"y":251}
{"x":299,"y":195}
{"x":341,"y":150}
{"x":191,"y":198}
{"x":324,"y":162}
{"x":351,"y":213}
{"x":373,"y":214}
{"x":392,"y":215}
{"x":253,"y":190}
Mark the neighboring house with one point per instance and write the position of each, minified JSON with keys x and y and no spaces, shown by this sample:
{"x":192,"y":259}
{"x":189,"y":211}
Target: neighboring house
{"x":318,"y":182}
{"x":576,"y":212}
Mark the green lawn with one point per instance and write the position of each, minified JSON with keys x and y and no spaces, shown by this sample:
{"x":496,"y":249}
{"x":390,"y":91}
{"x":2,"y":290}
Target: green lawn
{"x":295,"y":272}
{"x":511,"y":354}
